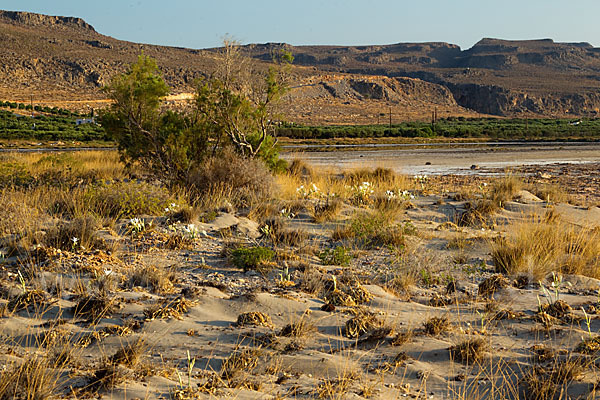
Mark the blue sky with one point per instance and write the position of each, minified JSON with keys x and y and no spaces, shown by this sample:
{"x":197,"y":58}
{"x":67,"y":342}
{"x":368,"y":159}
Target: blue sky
{"x":203,"y":23}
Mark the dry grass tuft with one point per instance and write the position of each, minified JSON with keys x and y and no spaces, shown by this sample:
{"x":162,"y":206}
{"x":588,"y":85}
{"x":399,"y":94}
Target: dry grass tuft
{"x":106,"y":377}
{"x":551,"y":193}
{"x":299,"y":328}
{"x":24,"y":301}
{"x":477,"y":212}
{"x":550,"y":382}
{"x":371,"y":230}
{"x":402,"y":337}
{"x":538,"y":248}
{"x":130,"y":354}
{"x":589,"y":345}
{"x":254,"y":318}
{"x":93,"y":307}
{"x":435,"y":326}
{"x":167,"y":309}
{"x":469,"y":351}
{"x":185,"y":215}
{"x":280,"y":233}
{"x":326,"y":211}
{"x":160,"y":280}
{"x":558,"y":309}
{"x":247,"y":181}
{"x":35,"y":378}
{"x":363,"y":322}
{"x":338,"y":387}
{"x":179,"y":241}
{"x":300,"y":169}
{"x":489,"y":286}
{"x":348,"y":294}
{"x":244,"y":360}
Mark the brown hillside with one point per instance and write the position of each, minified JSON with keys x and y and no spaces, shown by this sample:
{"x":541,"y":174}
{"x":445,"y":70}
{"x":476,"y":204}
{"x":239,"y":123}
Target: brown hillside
{"x":64,"y":61}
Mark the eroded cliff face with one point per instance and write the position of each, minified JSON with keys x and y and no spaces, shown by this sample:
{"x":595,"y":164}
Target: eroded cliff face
{"x":495,"y":100}
{"x":365,"y":87}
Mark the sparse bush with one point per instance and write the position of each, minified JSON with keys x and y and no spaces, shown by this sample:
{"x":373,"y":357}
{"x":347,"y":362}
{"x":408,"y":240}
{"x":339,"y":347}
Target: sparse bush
{"x":372,"y":230}
{"x":130,"y":199}
{"x":182,"y":147}
{"x":246,"y":180}
{"x":339,"y":255}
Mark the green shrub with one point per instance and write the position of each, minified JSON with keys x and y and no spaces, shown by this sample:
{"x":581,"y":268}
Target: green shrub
{"x":339,"y":255}
{"x":372,"y":230}
{"x":251,"y":258}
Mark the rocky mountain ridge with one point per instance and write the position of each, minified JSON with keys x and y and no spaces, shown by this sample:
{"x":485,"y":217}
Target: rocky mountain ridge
{"x":64,"y":59}
{"x":495,"y":76}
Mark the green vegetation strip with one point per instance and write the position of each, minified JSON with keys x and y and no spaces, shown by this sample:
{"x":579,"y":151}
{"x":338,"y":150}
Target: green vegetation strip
{"x":457,"y":127}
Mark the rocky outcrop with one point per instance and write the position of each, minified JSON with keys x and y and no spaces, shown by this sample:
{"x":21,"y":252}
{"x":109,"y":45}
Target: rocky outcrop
{"x":33,"y":19}
{"x":390,"y":90}
{"x":500,"y":101}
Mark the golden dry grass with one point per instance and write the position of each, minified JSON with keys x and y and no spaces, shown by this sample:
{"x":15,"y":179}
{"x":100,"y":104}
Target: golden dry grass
{"x":538,"y":248}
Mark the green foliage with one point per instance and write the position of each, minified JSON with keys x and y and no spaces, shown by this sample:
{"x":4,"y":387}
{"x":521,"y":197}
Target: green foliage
{"x":251,"y":258}
{"x":143,"y":133}
{"x":174,"y":145}
{"x":452,"y":127}
{"x":129,"y":199}
{"x":269,"y":153}
{"x":14,"y":174}
{"x":339,"y":255}
{"x":48,"y":127}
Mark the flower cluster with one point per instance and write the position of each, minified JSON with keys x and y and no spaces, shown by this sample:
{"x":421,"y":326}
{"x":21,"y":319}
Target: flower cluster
{"x":399,"y":195}
{"x":361,"y":193}
{"x":189,"y":230}
{"x":137,"y":225}
{"x":422,"y":180}
{"x":307,"y":192}
{"x":285,"y":213}
{"x":172,"y":207}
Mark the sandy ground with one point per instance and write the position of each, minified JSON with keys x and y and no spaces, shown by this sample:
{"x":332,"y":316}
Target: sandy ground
{"x":324,"y":360}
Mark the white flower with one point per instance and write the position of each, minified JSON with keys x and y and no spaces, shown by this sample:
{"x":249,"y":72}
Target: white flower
{"x":74,"y":240}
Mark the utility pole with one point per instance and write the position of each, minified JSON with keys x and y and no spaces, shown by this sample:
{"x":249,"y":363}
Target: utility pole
{"x":390,"y":117}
